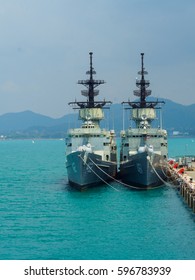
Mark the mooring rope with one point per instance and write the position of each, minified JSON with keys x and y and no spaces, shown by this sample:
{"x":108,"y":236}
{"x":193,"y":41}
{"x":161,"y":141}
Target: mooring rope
{"x":120,"y":182}
{"x":98,"y":175}
{"x":114,"y":179}
{"x":162,"y":169}
{"x":167,"y":184}
{"x":173,"y":179}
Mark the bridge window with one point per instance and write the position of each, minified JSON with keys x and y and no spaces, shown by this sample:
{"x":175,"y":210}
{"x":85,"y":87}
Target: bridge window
{"x":106,"y":144}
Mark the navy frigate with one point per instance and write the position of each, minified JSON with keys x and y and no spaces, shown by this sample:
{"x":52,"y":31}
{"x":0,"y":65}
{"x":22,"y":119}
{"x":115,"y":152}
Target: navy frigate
{"x":144,"y":144}
{"x":91,"y":152}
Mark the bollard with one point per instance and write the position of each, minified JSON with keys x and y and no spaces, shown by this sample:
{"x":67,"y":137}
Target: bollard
{"x":189,"y":197}
{"x":185,"y":193}
{"x":193,"y":206}
{"x":192,"y":196}
{"x":191,"y":200}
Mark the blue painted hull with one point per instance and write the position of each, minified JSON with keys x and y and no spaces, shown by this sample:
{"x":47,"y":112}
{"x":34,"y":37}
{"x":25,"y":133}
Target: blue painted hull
{"x":141,"y":172}
{"x":89,"y":170}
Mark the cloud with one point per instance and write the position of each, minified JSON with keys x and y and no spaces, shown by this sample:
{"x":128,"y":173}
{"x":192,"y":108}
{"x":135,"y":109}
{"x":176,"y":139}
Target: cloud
{"x":45,"y":44}
{"x":9,"y":87}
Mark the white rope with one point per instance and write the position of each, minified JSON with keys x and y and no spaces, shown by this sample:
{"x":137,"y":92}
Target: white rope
{"x":174,"y":179}
{"x":167,"y":167}
{"x":158,"y":174}
{"x":119,"y":182}
{"x":98,"y":175}
{"x":162,"y":169}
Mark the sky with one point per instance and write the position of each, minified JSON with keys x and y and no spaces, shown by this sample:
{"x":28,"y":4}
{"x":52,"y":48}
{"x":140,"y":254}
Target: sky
{"x":45,"y":45}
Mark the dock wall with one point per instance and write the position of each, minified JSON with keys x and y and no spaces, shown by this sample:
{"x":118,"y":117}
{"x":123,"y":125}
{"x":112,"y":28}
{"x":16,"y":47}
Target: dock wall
{"x":185,"y":184}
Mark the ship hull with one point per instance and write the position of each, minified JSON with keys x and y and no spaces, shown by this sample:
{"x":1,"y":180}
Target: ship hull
{"x":143,"y":171}
{"x":86,"y":170}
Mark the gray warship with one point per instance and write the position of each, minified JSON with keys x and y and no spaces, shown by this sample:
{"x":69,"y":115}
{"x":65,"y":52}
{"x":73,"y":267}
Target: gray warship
{"x":144,"y":149}
{"x":91,"y":152}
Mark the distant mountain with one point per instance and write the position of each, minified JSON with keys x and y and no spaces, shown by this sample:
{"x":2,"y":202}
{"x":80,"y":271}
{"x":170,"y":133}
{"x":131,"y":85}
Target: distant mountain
{"x":29,"y":124}
{"x":23,"y":120}
{"x":179,"y":117}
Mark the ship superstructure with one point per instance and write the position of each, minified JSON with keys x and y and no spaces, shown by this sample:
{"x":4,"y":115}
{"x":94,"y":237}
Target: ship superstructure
{"x":143,"y":147}
{"x":91,"y":153}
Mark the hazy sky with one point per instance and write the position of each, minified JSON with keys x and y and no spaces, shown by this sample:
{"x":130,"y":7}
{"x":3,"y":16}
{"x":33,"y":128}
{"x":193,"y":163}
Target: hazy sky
{"x":45,"y":45}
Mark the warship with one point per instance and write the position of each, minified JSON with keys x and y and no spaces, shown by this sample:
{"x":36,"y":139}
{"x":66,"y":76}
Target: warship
{"x":143,"y":151}
{"x":91,"y":151}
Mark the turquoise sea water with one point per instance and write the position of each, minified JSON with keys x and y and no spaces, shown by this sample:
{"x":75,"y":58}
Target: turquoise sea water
{"x":42,"y":218}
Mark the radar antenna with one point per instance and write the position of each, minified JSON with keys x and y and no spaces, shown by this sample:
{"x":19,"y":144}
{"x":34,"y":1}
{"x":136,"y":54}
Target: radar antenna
{"x":91,"y":92}
{"x":143,"y":92}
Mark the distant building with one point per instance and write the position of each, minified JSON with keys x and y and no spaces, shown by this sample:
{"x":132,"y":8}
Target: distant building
{"x":176,"y":133}
{"x":179,"y":133}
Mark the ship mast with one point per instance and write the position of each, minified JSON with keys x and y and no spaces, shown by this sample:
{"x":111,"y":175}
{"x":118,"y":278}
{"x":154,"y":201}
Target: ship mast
{"x":143,"y":90}
{"x":91,"y":92}
{"x":142,"y":85}
{"x":143,"y":112}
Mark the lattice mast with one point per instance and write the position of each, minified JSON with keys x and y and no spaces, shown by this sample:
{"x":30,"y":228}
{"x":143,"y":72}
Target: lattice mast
{"x":143,"y":90}
{"x":142,"y":84}
{"x":91,"y":92}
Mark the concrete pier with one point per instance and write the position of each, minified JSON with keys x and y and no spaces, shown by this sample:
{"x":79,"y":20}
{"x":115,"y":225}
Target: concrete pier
{"x":184,"y":178}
